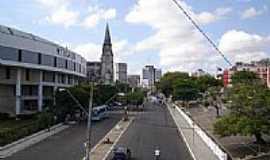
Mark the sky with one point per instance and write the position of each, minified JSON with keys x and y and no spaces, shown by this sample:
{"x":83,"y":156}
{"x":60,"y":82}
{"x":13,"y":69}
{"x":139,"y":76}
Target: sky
{"x":149,"y":31}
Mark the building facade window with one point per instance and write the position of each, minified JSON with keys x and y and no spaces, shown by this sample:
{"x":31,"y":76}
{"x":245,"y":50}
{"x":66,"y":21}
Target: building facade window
{"x":20,"y":55}
{"x":7,"y":53}
{"x":61,"y":63}
{"x":47,"y":60}
{"x":74,"y":66}
{"x":71,"y":65}
{"x":29,"y":57}
{"x":39,"y":58}
{"x":55,"y":62}
{"x":54,"y":76}
{"x":7,"y":72}
{"x":66,"y":64}
{"x":27,"y":74}
{"x":62,"y":78}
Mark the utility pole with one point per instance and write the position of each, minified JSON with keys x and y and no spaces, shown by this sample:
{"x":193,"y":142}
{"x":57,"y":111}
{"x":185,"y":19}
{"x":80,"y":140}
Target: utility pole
{"x":88,"y":145}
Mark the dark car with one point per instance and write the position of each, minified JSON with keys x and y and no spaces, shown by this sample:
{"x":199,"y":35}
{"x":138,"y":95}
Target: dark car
{"x":121,"y":153}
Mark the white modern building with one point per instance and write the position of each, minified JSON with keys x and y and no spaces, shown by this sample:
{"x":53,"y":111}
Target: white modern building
{"x":121,"y":72}
{"x":31,"y":69}
{"x":158,"y":74}
{"x":150,"y":75}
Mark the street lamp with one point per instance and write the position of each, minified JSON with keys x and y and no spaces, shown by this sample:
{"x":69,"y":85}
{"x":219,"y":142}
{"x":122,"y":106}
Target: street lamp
{"x":89,"y":113}
{"x":74,"y":99}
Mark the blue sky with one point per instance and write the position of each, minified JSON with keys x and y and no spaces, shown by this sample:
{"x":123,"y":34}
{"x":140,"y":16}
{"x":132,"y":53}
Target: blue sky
{"x":149,"y":31}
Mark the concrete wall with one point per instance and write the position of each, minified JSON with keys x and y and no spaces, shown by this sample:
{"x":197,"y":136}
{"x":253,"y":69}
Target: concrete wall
{"x":29,"y":88}
{"x":7,"y":99}
{"x":13,"y":73}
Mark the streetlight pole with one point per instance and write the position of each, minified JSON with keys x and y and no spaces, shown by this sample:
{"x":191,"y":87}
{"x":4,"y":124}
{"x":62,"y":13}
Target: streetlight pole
{"x":88,"y":146}
{"x":76,"y":101}
{"x":88,"y":131}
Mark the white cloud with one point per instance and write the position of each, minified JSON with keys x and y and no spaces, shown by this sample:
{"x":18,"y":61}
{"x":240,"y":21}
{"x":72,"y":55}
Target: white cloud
{"x":59,"y":12}
{"x":53,"y":3}
{"x":243,"y":46}
{"x":175,"y":40}
{"x":208,"y":17}
{"x":93,"y":51}
{"x":63,"y":16}
{"x":252,"y":12}
{"x":96,"y":14}
{"x":90,"y":51}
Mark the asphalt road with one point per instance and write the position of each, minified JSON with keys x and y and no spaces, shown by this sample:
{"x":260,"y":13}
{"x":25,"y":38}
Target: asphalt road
{"x":68,"y":144}
{"x":153,"y":129}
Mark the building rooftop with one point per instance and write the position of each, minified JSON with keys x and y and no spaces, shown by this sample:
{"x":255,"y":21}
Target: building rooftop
{"x":28,"y":36}
{"x":15,"y":32}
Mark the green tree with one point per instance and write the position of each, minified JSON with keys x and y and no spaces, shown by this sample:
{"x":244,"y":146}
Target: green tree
{"x":168,"y":80}
{"x":207,"y":81}
{"x":185,"y":90}
{"x":136,"y":97}
{"x":122,"y":87}
{"x":245,"y":77}
{"x":213,"y":97}
{"x":249,"y":109}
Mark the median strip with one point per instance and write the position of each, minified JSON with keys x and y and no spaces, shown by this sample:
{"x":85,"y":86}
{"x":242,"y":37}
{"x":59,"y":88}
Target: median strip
{"x":102,"y":150}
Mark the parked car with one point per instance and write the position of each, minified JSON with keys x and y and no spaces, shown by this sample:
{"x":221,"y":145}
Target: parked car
{"x":121,"y":153}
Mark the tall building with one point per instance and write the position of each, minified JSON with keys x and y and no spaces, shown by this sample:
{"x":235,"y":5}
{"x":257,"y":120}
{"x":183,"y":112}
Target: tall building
{"x":158,"y":74}
{"x":32,"y":69}
{"x":121,"y":72}
{"x":94,"y":71}
{"x":107,"y":70}
{"x":150,"y":75}
{"x":134,"y":81}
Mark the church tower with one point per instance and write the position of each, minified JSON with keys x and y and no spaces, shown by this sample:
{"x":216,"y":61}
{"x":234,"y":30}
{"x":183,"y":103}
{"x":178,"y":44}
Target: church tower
{"x":107,"y":71}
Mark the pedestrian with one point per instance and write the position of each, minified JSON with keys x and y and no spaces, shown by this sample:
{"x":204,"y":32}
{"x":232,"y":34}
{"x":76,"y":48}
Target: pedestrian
{"x":128,"y":153}
{"x":157,"y":154}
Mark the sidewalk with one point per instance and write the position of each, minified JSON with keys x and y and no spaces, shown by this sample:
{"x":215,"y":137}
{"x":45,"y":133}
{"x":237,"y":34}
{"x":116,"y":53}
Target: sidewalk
{"x":198,"y":148}
{"x":25,"y":142}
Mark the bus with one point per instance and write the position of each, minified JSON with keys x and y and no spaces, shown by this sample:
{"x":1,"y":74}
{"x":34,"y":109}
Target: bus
{"x":99,"y":113}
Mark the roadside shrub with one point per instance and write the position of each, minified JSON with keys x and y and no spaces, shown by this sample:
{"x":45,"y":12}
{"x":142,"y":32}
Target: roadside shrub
{"x":27,"y":116}
{"x":12,"y":134}
{"x":45,"y":120}
{"x":4,"y":116}
{"x":40,"y":121}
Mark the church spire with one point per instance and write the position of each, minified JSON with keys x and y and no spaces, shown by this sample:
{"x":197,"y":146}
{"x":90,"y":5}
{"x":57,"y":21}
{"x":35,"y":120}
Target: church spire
{"x":107,"y":39}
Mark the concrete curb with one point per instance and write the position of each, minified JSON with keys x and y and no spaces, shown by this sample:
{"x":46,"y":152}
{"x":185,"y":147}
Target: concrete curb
{"x":28,"y":141}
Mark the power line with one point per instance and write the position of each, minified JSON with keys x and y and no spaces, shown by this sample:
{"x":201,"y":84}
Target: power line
{"x":202,"y":32}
